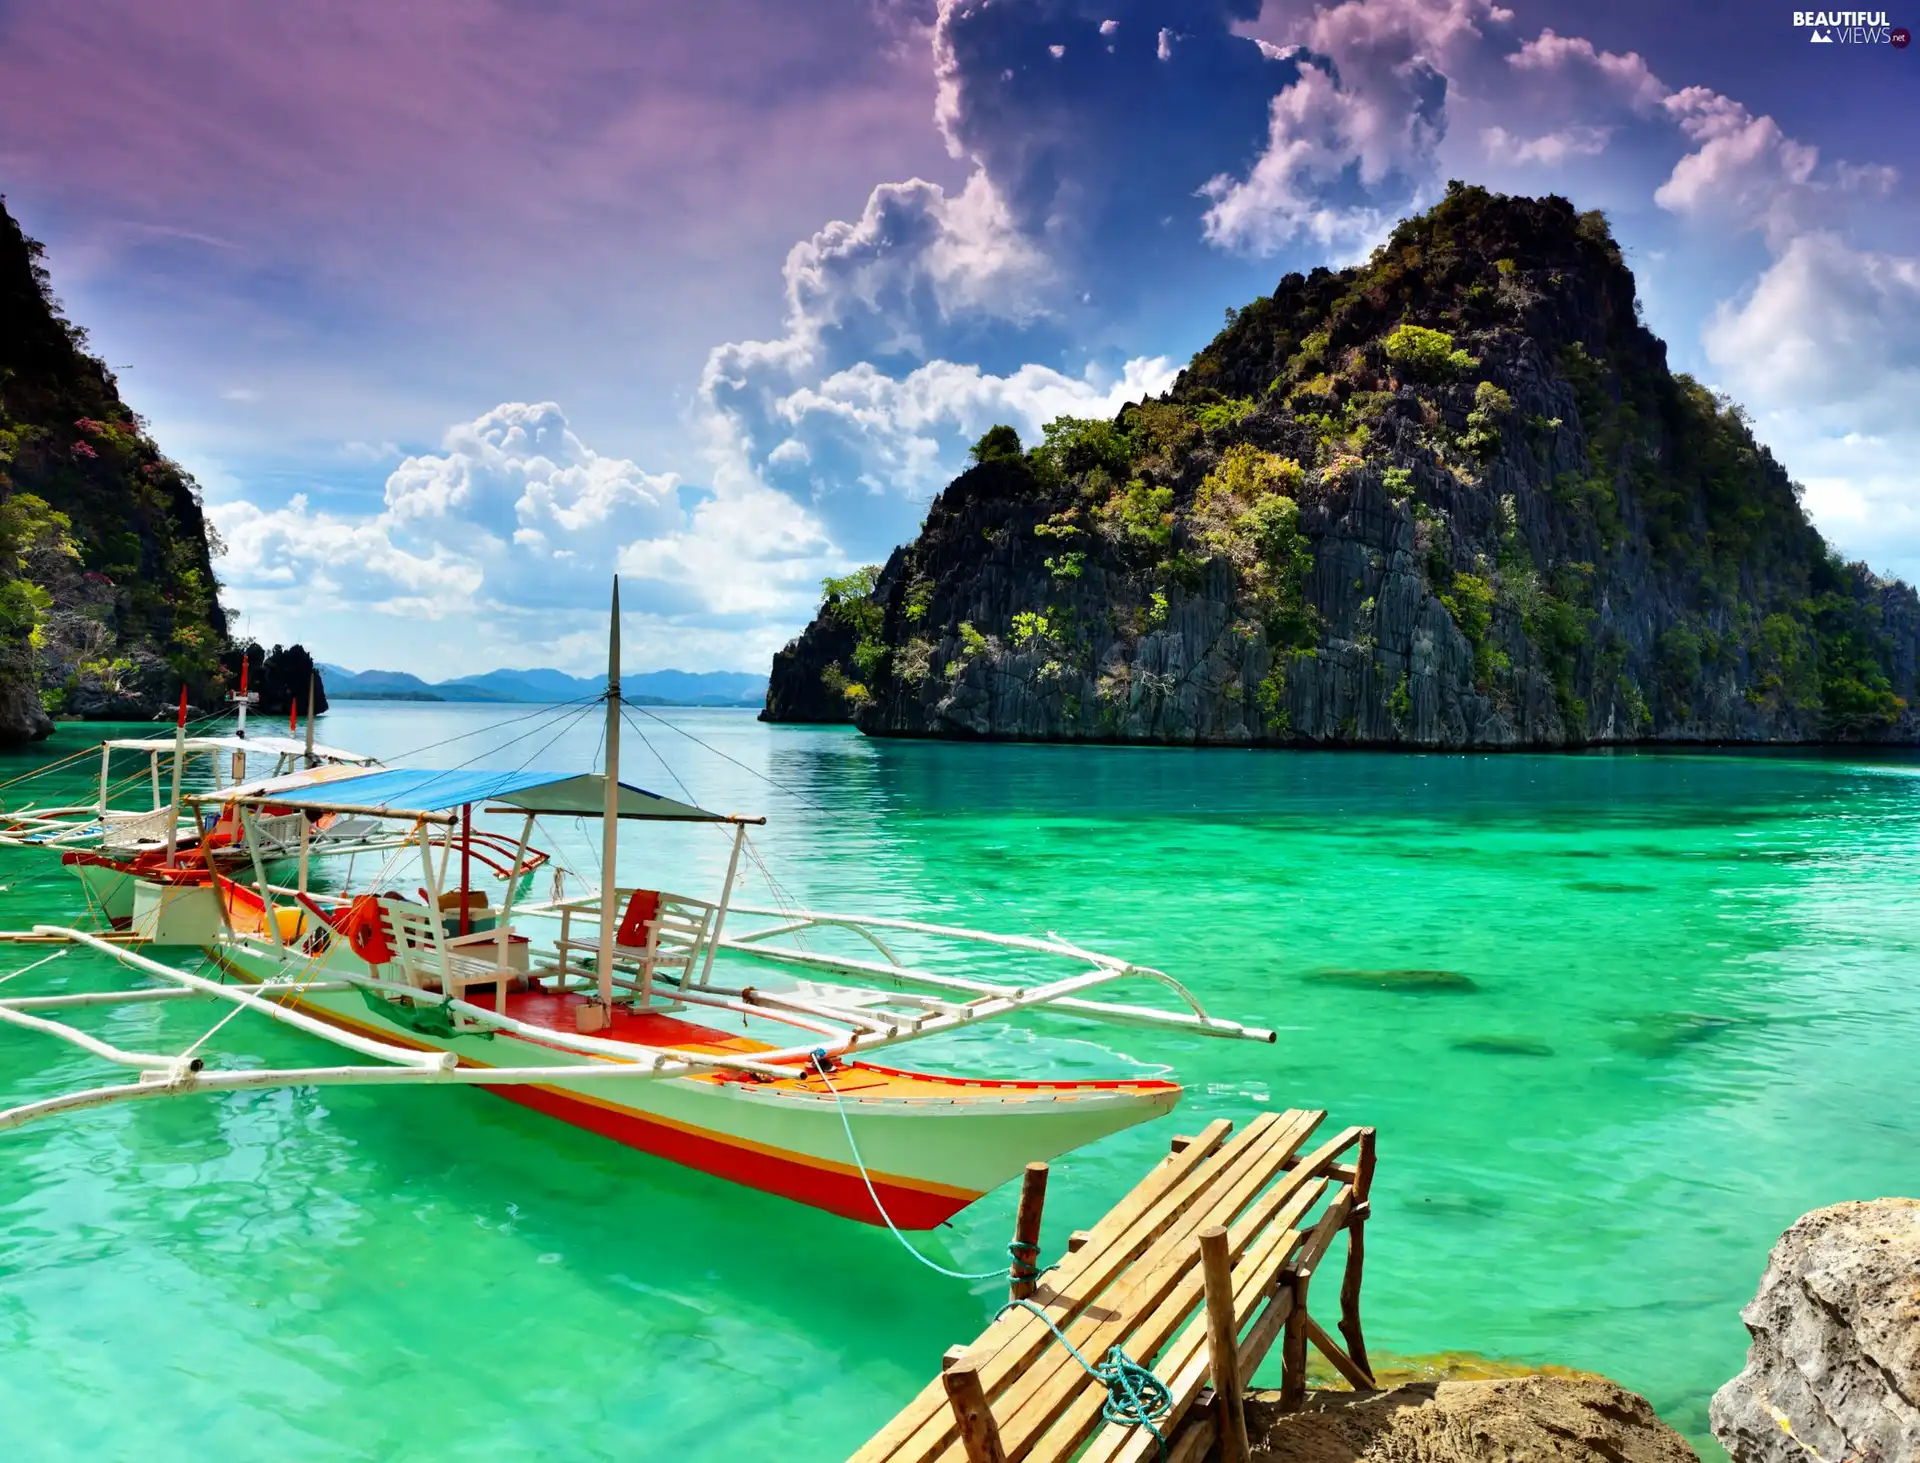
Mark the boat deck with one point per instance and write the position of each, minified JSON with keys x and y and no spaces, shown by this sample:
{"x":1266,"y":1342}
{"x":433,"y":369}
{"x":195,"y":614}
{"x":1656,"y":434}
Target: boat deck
{"x":554,"y":1010}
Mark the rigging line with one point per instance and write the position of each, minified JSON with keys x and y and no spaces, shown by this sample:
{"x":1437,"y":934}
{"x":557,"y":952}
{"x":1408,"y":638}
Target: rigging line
{"x":789,"y":906}
{"x":586,"y":710}
{"x":501,"y":747}
{"x":212,"y":1031}
{"x":678,"y":781}
{"x":495,"y":726}
{"x":751,"y":771}
{"x":33,"y":772}
{"x":35,"y":966}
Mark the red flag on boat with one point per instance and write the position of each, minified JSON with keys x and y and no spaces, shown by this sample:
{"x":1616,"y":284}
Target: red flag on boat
{"x":293,"y":717}
{"x":183,"y":705}
{"x":243,"y":675}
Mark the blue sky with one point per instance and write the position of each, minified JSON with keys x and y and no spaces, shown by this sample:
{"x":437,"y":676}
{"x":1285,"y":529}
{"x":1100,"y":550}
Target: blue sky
{"x":455,"y":308}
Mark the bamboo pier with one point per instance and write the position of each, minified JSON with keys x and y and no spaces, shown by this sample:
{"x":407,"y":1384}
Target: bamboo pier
{"x":1196,"y":1274}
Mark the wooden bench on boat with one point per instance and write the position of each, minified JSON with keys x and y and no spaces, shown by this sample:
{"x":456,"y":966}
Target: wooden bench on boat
{"x":433,"y":961}
{"x":1195,"y":1274}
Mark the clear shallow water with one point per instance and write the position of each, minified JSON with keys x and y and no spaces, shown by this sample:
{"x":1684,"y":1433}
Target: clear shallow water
{"x":1618,"y":1019}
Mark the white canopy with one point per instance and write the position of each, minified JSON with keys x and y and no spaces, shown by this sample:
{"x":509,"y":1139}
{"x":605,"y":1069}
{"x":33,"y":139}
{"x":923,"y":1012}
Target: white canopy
{"x":269,"y":746}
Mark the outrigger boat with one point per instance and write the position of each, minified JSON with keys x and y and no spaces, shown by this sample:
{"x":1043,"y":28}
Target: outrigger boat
{"x":707,"y":1032}
{"x":109,"y":849}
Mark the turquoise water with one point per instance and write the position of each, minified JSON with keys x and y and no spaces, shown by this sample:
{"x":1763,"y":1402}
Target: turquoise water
{"x":1619,"y":1020}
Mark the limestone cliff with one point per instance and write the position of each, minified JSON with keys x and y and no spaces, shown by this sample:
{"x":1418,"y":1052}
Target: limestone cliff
{"x":108,"y":601}
{"x":1453,"y":497}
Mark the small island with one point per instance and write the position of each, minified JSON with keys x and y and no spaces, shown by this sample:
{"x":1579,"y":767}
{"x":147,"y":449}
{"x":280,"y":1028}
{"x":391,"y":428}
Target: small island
{"x":1451,"y":498}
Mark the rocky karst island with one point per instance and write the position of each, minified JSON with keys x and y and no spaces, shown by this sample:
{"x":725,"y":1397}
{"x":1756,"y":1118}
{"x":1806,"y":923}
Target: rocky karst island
{"x":1450,"y":498}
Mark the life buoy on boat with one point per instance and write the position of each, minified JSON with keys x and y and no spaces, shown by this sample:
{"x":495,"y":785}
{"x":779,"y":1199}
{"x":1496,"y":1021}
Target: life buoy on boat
{"x":366,"y":931}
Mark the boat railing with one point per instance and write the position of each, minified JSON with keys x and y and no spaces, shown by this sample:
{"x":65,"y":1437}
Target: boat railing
{"x":122,"y":831}
{"x":921,"y":998}
{"x":835,"y":1020}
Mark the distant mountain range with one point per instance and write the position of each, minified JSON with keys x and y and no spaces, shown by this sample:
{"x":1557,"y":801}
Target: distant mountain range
{"x":645,"y":688}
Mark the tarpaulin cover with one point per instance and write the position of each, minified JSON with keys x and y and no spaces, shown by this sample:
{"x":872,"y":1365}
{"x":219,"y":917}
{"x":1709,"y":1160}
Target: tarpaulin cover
{"x":400,"y":790}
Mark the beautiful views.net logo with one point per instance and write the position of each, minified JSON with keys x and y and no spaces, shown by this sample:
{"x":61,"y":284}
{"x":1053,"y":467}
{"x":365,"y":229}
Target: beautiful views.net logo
{"x":1850,"y":28}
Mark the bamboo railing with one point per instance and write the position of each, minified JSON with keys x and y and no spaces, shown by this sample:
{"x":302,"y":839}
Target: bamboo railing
{"x":1197,"y":1273}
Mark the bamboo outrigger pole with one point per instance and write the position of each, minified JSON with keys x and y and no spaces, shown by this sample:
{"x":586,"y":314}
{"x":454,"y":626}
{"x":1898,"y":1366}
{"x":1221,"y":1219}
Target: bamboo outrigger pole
{"x":610,"y":820}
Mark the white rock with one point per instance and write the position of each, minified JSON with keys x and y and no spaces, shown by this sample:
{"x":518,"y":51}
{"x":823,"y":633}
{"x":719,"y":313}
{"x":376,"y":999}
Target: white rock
{"x":1834,"y":1370}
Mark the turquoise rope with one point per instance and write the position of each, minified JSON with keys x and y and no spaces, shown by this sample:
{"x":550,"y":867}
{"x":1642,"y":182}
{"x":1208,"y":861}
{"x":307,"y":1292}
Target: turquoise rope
{"x":1134,"y":1394}
{"x":819,"y":1059}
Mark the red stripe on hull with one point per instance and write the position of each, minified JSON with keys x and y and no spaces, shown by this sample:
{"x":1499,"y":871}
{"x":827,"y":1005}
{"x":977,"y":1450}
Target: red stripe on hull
{"x":844,"y":1194}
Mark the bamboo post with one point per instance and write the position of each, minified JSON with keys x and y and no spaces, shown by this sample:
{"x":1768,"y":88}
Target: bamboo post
{"x":979,"y":1434}
{"x":726,"y":894}
{"x":609,"y":826}
{"x":466,"y":867}
{"x":312,"y":693}
{"x":1024,"y":1272}
{"x":1357,"y":1255}
{"x":1293,"y":1349}
{"x":179,"y":756}
{"x":267,"y":909}
{"x":1223,"y":1346}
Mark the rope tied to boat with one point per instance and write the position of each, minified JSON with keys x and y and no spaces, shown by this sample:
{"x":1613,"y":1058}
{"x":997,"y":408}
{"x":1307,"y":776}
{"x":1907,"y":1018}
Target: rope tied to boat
{"x":823,"y":1064}
{"x":1135,"y":1396}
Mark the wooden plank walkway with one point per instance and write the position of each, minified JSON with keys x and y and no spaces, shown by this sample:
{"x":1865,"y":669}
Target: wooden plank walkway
{"x":1196,"y":1273}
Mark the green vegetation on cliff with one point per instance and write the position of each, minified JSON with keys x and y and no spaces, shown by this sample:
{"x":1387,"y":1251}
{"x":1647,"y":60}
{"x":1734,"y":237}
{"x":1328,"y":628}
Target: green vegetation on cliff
{"x":1452,"y":496}
{"x":107,"y":591}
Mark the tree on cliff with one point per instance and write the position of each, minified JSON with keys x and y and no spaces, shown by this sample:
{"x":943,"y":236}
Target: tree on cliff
{"x":281,"y":677}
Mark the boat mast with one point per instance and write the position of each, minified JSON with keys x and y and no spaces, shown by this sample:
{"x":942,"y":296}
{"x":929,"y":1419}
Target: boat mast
{"x":311,"y":693}
{"x":610,"y":814}
{"x":179,"y":755}
{"x":242,"y":700}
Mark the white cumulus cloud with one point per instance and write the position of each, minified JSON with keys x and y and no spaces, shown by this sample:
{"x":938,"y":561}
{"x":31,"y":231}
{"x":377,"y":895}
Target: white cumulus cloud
{"x":515,"y":528}
{"x":1825,"y":349}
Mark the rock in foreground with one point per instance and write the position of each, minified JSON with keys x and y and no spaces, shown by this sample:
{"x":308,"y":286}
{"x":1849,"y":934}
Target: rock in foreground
{"x":1535,"y":1418}
{"x":1836,"y":1342}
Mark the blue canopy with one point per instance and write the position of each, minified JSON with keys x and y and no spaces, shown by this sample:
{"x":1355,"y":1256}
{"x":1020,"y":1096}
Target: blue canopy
{"x":399,"y":791}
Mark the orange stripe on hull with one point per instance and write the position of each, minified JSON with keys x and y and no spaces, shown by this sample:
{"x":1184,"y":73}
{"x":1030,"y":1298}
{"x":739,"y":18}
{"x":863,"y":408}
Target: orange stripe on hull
{"x":838,"y":1193}
{"x":837,"y":1188}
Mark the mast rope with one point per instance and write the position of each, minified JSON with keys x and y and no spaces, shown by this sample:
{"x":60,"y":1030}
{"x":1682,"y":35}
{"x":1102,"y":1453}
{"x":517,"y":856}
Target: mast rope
{"x":556,"y":708}
{"x":750,"y":771}
{"x":781,"y":898}
{"x":678,"y":781}
{"x":788,"y":906}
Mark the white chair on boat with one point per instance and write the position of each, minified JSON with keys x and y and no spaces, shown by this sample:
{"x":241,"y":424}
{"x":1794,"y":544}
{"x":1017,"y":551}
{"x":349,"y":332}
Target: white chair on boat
{"x":422,"y":952}
{"x":658,"y":933}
